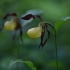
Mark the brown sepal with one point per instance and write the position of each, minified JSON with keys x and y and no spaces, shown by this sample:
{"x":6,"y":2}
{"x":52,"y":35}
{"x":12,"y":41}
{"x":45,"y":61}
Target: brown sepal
{"x":27,"y":17}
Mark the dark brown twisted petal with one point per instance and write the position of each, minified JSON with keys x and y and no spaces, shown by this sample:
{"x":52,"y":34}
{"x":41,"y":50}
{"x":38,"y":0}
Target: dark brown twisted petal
{"x":42,"y":43}
{"x":13,"y":14}
{"x":42,"y":36}
{"x":7,"y":15}
{"x":38,"y":16}
{"x":47,"y":37}
{"x":20,"y":29}
{"x":27,"y":17}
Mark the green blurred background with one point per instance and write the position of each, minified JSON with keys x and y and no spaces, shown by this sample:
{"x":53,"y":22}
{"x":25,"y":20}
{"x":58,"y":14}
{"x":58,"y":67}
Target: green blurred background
{"x":43,"y":59}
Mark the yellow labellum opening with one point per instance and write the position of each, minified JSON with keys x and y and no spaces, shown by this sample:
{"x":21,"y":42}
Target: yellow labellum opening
{"x":34,"y":32}
{"x":9,"y":25}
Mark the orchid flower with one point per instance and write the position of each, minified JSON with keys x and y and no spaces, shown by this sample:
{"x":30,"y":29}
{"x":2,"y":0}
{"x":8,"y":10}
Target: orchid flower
{"x":38,"y":31}
{"x":12,"y":24}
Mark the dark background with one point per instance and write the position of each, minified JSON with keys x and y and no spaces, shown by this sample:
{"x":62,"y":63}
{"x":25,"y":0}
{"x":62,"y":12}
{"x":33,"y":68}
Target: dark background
{"x":43,"y":59}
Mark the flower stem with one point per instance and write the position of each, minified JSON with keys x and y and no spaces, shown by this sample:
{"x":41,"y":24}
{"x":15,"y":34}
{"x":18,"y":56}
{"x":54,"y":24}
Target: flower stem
{"x":55,"y":43}
{"x":18,"y":57}
{"x":56,"y":52}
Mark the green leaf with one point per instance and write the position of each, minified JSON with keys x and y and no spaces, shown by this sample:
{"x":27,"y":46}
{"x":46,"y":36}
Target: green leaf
{"x":61,"y":22}
{"x":28,"y":63}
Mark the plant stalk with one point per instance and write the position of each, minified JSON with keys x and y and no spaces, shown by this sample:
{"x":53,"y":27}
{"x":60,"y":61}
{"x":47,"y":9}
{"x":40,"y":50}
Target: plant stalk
{"x":56,"y":52}
{"x":18,"y":57}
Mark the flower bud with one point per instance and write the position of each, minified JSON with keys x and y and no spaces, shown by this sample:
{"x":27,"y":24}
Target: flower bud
{"x":35,"y":32}
{"x":9,"y":25}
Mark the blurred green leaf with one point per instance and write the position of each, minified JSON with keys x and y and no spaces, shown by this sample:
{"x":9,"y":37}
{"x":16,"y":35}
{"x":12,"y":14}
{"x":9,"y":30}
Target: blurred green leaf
{"x":28,"y":63}
{"x":61,"y":22}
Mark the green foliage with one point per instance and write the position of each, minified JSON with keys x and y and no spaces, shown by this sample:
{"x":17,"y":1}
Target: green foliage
{"x":28,"y":63}
{"x":61,"y":22}
{"x":52,"y":11}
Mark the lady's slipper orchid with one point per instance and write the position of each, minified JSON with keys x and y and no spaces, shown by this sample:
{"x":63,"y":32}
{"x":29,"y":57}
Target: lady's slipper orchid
{"x":9,"y":25}
{"x":12,"y":24}
{"x":38,"y":31}
{"x":35,"y":32}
